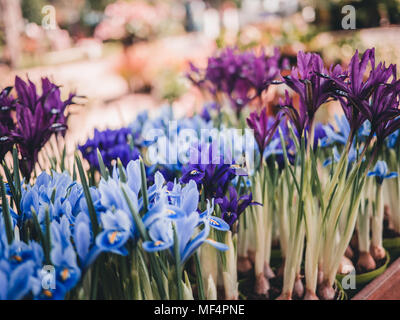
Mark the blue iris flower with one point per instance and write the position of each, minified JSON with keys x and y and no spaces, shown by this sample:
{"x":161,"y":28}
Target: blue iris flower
{"x":187,"y":200}
{"x":341,"y":136}
{"x":63,"y":255}
{"x":50,"y":191}
{"x":117,"y":221}
{"x":336,"y":137}
{"x":75,"y":195}
{"x":392,"y":139}
{"x":82,"y":235}
{"x":352,"y":156}
{"x":19,"y":268}
{"x":380,"y":172}
{"x":191,"y":227}
{"x":273,"y":148}
{"x":364,"y":130}
{"x":117,"y":230}
{"x":15,"y":283}
{"x":96,"y":199}
{"x":20,"y":252}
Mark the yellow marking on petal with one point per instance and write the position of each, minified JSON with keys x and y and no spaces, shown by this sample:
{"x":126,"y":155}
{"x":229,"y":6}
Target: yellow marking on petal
{"x":47,"y":293}
{"x":171,"y":211}
{"x":65,"y":274}
{"x":212,"y":240}
{"x":193,"y":172}
{"x":17,"y":258}
{"x":158,"y":243}
{"x":214,"y":222}
{"x":235,"y":166}
{"x":112,"y":237}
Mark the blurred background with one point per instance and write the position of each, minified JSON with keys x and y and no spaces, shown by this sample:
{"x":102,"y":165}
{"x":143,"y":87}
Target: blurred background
{"x":129,"y":55}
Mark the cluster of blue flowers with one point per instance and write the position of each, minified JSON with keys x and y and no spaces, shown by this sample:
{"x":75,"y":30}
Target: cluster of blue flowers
{"x":167,"y":208}
{"x":68,"y":241}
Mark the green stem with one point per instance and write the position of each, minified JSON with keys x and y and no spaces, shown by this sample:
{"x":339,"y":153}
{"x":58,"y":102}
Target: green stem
{"x":377,"y":219}
{"x":178,"y":265}
{"x":88,"y":196}
{"x":199,"y":277}
{"x":154,"y":262}
{"x":47,"y":236}
{"x":144,"y":186}
{"x":6,"y":213}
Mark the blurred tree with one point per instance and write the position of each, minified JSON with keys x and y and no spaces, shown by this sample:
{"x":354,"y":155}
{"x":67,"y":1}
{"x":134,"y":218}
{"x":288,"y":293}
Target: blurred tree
{"x":10,"y":14}
{"x":32,"y":10}
{"x":98,"y":5}
{"x":369,"y":13}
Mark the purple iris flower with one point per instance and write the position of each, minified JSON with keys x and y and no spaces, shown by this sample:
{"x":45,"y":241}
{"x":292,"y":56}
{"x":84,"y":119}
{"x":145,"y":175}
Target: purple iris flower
{"x":210,"y":169}
{"x":264,"y":130}
{"x":112,"y":144}
{"x":313,"y":89}
{"x":232,"y":207}
{"x":205,"y":112}
{"x":38,"y":118}
{"x":384,"y":110}
{"x":355,"y":95}
{"x":240,"y":76}
{"x":7,"y":104}
{"x":6,"y":141}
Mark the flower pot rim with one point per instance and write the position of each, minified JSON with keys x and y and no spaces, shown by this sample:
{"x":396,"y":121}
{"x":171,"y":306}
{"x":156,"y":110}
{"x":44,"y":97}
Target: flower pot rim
{"x":391,"y":243}
{"x":364,"y":278}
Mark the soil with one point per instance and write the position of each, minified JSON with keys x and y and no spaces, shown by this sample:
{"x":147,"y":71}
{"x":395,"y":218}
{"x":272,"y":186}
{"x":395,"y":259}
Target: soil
{"x":387,"y":233}
{"x":246,"y":288}
{"x":390,"y":233}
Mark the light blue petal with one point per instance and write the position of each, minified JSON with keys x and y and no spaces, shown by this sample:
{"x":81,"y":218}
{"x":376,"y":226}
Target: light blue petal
{"x":82,"y":240}
{"x":218,"y":223}
{"x":391,"y":175}
{"x":152,"y":246}
{"x":195,"y":243}
{"x":218,"y":245}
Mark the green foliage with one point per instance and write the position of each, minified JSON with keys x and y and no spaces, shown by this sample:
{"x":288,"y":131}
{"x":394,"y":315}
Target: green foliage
{"x":98,"y":5}
{"x":32,"y":10}
{"x":369,"y":13}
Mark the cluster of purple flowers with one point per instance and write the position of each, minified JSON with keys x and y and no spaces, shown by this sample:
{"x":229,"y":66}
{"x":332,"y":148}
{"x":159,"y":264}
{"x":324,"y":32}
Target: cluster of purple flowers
{"x":214,"y":174}
{"x":7,"y":105}
{"x":112,"y":145}
{"x":268,"y":138}
{"x":372,"y":99}
{"x":313,"y":89}
{"x":241,"y":76}
{"x":31,"y":119}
